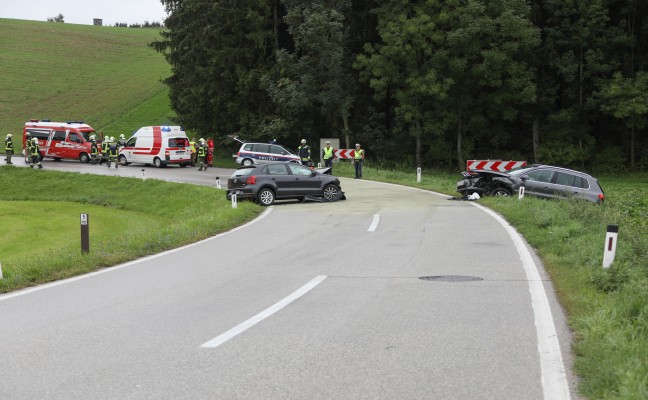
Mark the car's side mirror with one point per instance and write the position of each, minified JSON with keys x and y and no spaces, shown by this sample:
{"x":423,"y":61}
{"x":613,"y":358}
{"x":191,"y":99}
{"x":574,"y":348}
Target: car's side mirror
{"x":523,"y":178}
{"x":313,"y":173}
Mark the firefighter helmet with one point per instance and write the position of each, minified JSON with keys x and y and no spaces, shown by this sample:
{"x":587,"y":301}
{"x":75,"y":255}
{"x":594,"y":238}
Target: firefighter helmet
{"x":122,"y":137}
{"x":8,"y":135}
{"x":35,"y":140}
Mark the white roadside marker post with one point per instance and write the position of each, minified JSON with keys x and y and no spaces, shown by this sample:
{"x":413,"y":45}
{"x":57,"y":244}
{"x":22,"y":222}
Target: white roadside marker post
{"x":218,"y":184}
{"x":143,"y":175}
{"x":0,"y":270}
{"x":521,"y":191}
{"x":609,"y":249}
{"x":418,"y":175}
{"x":234,"y":201}
{"x":319,"y":165}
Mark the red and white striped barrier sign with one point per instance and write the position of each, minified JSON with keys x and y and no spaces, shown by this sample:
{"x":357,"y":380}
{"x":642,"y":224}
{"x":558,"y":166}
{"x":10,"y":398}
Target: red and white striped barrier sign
{"x":344,"y":153}
{"x":491,"y":165}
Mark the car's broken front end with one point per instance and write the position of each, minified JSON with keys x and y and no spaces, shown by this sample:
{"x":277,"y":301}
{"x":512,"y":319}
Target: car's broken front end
{"x":485,"y":183}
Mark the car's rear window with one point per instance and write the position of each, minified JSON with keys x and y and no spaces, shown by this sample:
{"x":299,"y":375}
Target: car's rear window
{"x":178,"y":142}
{"x":244,"y":171}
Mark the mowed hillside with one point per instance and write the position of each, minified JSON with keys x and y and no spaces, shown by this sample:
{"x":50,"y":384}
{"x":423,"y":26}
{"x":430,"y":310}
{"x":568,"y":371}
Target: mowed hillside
{"x":108,"y":77}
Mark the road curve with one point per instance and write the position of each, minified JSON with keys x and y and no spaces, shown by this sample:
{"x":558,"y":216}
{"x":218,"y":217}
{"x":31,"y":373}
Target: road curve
{"x":352,"y":319}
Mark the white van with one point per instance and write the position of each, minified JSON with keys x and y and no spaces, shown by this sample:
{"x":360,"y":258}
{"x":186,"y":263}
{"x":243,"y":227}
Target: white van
{"x":157,"y":145}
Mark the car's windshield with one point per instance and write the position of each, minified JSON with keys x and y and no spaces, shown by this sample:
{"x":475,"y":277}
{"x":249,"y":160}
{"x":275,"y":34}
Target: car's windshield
{"x":86,"y":135}
{"x":518,"y":171}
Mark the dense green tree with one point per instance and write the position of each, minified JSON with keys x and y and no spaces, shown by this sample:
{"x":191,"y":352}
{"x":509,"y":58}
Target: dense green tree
{"x":312,"y":82}
{"x":218,"y":50}
{"x":452,"y":65}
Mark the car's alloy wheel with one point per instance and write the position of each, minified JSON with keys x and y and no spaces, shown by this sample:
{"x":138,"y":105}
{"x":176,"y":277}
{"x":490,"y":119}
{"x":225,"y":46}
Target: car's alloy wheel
{"x":500,"y":192}
{"x":266,"y":197}
{"x":331,"y":192}
{"x":247,"y":162}
{"x":157,"y":162}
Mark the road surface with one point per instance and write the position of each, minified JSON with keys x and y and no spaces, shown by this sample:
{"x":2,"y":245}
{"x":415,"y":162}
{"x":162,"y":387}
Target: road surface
{"x":309,"y":301}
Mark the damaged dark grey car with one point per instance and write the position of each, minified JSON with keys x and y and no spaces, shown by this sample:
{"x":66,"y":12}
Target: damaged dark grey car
{"x":280,"y":181}
{"x":540,"y":180}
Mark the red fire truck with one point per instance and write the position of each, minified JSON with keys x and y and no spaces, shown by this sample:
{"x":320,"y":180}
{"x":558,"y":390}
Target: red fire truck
{"x":59,"y":140}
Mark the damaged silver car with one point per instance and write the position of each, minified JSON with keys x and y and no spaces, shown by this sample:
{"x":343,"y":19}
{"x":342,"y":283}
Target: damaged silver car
{"x":540,"y":180}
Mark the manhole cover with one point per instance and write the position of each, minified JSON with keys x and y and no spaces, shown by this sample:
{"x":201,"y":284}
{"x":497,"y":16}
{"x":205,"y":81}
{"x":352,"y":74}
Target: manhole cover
{"x":451,"y":278}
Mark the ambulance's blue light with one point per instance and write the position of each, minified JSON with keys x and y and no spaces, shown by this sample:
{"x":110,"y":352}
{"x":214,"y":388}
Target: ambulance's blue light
{"x":166,"y":129}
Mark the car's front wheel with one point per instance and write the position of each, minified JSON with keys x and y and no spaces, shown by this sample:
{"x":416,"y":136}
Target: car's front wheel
{"x":331,"y":192}
{"x":500,"y":192}
{"x":266,"y":197}
{"x":247,"y":162}
{"x":84,"y":158}
{"x":122,"y":160}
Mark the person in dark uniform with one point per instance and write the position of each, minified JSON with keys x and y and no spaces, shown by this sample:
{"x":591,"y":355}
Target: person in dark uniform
{"x":304,"y":153}
{"x":35,"y":154}
{"x":8,"y":149}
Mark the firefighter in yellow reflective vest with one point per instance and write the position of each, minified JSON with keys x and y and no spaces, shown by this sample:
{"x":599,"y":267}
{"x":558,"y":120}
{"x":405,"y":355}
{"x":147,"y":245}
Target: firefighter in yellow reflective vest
{"x":328,"y":157}
{"x":113,"y":152}
{"x":358,"y":158}
{"x":104,"y":149}
{"x":304,"y":153}
{"x":94,"y":150}
{"x":8,"y":149}
{"x":35,"y":154}
{"x":202,"y":155}
{"x":27,"y":148}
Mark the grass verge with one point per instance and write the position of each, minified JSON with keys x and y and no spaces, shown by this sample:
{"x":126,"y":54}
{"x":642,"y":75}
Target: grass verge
{"x":607,"y":309}
{"x":129,"y":218}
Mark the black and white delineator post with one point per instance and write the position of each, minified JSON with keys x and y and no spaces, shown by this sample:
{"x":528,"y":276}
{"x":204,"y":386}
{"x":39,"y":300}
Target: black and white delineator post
{"x":609,"y":251}
{"x":143,"y":176}
{"x":218,"y":184}
{"x":418,"y":175}
{"x":85,"y":234}
{"x":0,"y":270}
{"x":521,"y":190}
{"x":234,"y":201}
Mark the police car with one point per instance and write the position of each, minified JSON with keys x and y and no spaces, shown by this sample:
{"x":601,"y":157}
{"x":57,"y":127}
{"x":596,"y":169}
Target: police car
{"x":264,"y":153}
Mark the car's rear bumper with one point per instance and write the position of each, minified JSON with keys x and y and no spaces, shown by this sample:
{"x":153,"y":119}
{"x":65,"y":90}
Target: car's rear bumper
{"x":241,"y":194}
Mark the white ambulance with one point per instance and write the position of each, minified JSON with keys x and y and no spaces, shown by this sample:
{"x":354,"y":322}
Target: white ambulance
{"x":157,"y":145}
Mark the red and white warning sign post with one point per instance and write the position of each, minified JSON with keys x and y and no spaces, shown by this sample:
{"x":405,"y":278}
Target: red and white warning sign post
{"x":609,"y":251}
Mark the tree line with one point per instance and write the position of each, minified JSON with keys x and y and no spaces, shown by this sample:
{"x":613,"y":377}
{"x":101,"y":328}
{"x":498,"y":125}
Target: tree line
{"x":427,"y":82}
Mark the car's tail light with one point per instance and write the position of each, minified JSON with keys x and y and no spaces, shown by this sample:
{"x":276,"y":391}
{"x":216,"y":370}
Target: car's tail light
{"x":167,"y":153}
{"x":251,"y":180}
{"x":238,"y":153}
{"x":601,"y":197}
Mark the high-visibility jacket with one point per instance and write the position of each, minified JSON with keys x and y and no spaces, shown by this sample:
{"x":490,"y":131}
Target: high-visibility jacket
{"x":202,"y":151}
{"x":328,"y":152}
{"x":9,"y":145}
{"x":104,"y":147}
{"x":94,"y":150}
{"x":193,"y":147}
{"x":358,"y":154}
{"x":34,"y":149}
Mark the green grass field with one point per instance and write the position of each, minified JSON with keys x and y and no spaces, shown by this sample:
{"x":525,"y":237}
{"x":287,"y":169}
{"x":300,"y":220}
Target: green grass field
{"x":105,"y":76}
{"x":129,"y":218}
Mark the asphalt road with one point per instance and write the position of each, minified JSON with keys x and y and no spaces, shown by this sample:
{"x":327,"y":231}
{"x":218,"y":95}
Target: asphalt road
{"x":366,"y":328}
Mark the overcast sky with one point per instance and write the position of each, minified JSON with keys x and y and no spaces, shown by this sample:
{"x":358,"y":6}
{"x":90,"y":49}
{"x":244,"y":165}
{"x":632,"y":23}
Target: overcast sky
{"x":84,"y":11}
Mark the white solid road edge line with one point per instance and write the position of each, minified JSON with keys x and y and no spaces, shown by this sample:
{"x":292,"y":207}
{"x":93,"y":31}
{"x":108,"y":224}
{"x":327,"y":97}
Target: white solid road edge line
{"x":554,"y":377}
{"x":130,"y":263}
{"x":243,"y":326}
{"x":374,"y":223}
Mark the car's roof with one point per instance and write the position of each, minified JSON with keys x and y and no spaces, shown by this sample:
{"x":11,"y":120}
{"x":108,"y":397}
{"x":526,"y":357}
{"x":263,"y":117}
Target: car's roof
{"x":521,"y":170}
